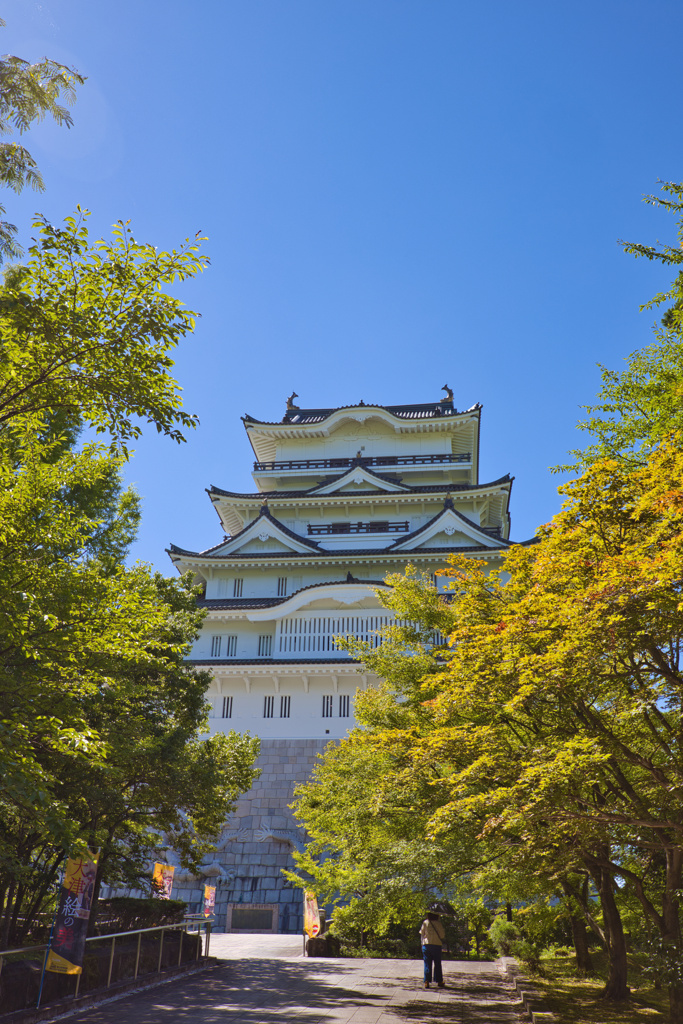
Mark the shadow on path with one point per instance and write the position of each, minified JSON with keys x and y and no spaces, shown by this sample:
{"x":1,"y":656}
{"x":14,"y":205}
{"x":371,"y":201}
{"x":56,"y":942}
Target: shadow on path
{"x":272,"y":991}
{"x":251,"y":990}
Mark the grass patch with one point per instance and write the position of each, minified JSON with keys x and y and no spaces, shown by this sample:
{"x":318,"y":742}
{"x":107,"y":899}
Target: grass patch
{"x":577,"y":1000}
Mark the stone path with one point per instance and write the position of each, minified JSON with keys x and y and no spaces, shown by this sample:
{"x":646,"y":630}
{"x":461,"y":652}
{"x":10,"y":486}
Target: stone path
{"x":265,"y":980}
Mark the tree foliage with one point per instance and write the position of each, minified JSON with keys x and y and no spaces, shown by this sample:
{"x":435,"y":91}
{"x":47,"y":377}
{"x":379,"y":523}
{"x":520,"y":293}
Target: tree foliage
{"x":86,"y":330}
{"x":639,"y":406}
{"x":28,"y":93}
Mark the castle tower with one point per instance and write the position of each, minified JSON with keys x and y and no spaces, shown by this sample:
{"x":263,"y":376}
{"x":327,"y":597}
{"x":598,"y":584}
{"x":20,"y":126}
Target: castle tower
{"x":343,"y":498}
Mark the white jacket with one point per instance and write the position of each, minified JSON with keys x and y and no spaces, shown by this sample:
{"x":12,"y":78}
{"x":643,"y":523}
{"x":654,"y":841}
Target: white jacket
{"x":432,"y":933}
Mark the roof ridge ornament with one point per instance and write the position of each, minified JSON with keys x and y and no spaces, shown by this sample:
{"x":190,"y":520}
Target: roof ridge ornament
{"x":448,"y":400}
{"x":290,"y":401}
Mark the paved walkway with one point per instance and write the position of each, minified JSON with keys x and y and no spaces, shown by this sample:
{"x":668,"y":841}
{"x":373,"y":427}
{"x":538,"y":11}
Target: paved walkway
{"x":265,"y":980}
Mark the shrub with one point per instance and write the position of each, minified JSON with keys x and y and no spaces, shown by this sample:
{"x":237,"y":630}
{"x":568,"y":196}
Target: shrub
{"x":528,"y":953}
{"x":503,"y":934}
{"x":125,"y":913}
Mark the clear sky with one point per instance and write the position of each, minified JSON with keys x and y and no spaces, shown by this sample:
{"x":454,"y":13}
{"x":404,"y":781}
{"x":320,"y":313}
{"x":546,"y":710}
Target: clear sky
{"x":399,"y":194}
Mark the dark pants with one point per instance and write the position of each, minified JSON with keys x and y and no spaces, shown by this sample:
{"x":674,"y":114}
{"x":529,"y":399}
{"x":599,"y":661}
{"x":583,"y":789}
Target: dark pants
{"x":432,"y":955}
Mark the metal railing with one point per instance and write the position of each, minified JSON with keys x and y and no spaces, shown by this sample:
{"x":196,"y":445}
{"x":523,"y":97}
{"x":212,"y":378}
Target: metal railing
{"x":377,"y":527}
{"x":182,"y":927}
{"x":289,"y":465}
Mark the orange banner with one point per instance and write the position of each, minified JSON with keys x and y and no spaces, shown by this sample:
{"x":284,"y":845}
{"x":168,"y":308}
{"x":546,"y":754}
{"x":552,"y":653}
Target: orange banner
{"x":311,"y":915}
{"x":163,"y":877}
{"x":209,"y":900}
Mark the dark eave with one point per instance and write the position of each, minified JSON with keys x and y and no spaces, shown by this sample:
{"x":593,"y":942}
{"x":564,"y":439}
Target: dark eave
{"x":197,"y":663}
{"x":346,"y":553}
{"x":311,"y":492}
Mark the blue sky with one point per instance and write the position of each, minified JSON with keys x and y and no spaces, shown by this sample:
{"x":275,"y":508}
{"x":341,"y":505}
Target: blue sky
{"x":398,"y":194}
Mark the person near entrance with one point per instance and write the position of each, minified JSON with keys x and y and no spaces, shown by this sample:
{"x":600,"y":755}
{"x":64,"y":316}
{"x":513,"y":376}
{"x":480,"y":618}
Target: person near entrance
{"x":432,"y":936}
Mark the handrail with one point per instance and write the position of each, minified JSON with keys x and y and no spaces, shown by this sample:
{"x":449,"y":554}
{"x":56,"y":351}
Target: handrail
{"x":364,"y":460}
{"x":379,"y":526}
{"x":182,"y":926}
{"x":189,"y":919}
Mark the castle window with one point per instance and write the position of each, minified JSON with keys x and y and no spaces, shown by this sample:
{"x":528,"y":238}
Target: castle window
{"x":285,"y":705}
{"x":268,"y":707}
{"x":327,"y":705}
{"x":216,"y":646}
{"x":344,"y":703}
{"x":227,"y":707}
{"x":237,"y":587}
{"x":230,"y":646}
{"x":282,"y":586}
{"x":265,"y":646}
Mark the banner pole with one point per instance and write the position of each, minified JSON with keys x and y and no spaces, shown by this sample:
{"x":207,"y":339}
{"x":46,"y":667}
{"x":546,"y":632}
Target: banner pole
{"x":49,"y":944}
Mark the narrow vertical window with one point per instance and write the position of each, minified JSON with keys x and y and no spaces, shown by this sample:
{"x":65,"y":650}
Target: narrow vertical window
{"x":268,"y":707}
{"x":237,"y":586}
{"x":285,"y":705}
{"x":282,"y":586}
{"x":265,"y":646}
{"x":344,"y":703}
{"x":215,"y":647}
{"x":327,"y":705}
{"x":227,"y":707}
{"x":230,"y":646}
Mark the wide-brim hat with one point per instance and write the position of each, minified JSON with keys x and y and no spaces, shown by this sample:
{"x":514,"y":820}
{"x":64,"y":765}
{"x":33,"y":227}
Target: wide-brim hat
{"x":442,"y":907}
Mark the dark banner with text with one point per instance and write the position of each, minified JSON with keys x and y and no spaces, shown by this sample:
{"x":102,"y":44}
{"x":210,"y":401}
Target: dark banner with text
{"x":71,"y":925}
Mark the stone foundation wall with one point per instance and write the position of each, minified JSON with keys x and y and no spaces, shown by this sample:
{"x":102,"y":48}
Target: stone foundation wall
{"x":258,"y":840}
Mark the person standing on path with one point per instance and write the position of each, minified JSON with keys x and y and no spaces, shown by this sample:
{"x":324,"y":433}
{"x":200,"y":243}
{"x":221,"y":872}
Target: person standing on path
{"x":432,"y":935}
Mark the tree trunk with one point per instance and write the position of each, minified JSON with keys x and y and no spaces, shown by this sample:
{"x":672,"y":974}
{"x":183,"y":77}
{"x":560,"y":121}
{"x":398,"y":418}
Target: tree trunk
{"x":676,"y":1004}
{"x":95,"y":897}
{"x":671,"y":930}
{"x":584,"y":962}
{"x":616,"y":988}
{"x":4,"y":937}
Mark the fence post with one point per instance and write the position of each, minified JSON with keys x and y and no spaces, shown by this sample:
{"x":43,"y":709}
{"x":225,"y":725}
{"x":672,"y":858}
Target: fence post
{"x":111,"y":960}
{"x":161,"y":948}
{"x":180,"y":947}
{"x":137,"y":958}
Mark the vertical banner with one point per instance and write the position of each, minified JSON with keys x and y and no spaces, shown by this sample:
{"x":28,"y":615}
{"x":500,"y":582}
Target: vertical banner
{"x":311,"y":914}
{"x":163,"y":877}
{"x":71,"y":925}
{"x":209,"y":900}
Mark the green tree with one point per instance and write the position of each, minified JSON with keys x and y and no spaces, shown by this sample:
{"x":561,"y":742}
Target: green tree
{"x":639,"y":406}
{"x":86,"y":331}
{"x":28,"y":92}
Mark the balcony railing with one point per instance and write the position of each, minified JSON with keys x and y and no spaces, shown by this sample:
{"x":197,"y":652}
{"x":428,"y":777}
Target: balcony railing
{"x":312,"y":465}
{"x":380,"y":526}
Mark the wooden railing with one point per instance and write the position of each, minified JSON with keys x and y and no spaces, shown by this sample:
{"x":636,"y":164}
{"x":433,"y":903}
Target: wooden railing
{"x":289,"y":465}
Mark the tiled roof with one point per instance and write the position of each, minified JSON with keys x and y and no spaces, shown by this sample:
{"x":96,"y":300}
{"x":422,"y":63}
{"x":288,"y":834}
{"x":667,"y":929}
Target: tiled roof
{"x":448,"y":504}
{"x":311,"y":491}
{"x":302,"y":417}
{"x":344,"y":553}
{"x":263,"y":512}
